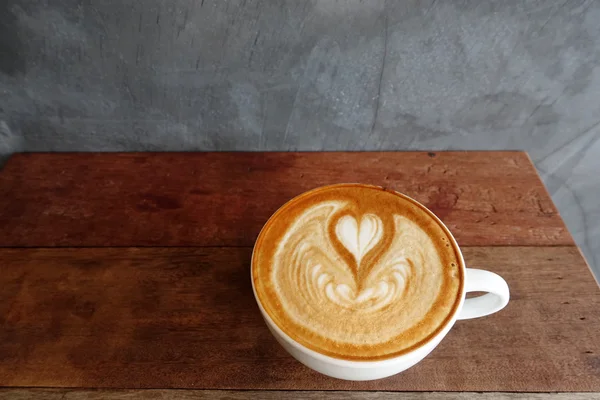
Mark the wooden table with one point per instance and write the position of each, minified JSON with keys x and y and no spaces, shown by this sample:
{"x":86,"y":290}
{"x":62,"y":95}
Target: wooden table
{"x":127,"y":276}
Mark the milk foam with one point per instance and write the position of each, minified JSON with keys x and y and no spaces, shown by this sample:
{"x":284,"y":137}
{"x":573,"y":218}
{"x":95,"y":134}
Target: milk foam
{"x":321,"y":290}
{"x":356,"y":277}
{"x":357,"y":237}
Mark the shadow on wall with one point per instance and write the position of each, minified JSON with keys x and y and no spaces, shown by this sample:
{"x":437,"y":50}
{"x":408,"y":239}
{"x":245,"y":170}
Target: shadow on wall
{"x":9,"y":142}
{"x":11,"y":61}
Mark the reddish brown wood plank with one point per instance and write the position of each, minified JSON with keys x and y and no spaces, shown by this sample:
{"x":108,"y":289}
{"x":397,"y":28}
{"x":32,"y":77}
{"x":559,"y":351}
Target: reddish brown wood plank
{"x":175,"y":394}
{"x":223,"y":199}
{"x":186,"y":318}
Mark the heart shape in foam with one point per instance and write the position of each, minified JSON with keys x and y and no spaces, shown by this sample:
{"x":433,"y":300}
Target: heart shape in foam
{"x":359,"y":237}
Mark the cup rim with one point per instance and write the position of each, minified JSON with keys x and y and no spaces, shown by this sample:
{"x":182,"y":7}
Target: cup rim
{"x":441,"y":331}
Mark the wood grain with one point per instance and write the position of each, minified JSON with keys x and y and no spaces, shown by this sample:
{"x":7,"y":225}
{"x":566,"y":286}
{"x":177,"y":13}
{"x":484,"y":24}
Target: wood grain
{"x":162,"y":394}
{"x":186,"y":318}
{"x":223,"y":199}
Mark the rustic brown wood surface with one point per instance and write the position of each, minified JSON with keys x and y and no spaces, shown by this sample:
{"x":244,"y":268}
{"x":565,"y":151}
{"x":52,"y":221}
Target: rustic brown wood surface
{"x":223,"y":199}
{"x":70,"y":394}
{"x":186,"y":318}
{"x":130,"y":315}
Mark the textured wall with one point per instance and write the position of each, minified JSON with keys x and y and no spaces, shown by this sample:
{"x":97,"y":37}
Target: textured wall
{"x":312,"y":75}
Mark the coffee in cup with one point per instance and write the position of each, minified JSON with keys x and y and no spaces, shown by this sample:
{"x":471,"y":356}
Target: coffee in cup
{"x":358,"y":273}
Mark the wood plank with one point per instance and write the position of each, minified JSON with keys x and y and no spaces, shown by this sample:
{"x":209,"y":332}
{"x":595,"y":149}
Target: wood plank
{"x":186,"y":318}
{"x":168,"y":394}
{"x":223,"y":199}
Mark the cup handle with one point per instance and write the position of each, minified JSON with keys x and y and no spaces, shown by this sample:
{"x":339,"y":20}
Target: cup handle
{"x":496,"y":299}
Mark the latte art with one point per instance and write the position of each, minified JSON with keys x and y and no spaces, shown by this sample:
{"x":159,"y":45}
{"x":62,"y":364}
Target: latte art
{"x":355,"y":276}
{"x":359,"y":238}
{"x":325,"y":273}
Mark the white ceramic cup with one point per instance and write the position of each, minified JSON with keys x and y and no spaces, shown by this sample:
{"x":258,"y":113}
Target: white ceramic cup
{"x":475,"y":280}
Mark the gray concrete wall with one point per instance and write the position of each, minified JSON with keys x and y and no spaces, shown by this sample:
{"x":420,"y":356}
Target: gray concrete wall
{"x":313,"y":75}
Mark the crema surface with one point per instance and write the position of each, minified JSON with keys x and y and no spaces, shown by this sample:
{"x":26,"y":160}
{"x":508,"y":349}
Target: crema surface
{"x":357,"y":272}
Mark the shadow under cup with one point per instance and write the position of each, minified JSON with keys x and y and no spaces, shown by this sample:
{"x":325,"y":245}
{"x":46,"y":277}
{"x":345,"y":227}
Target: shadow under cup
{"x":473,"y":280}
